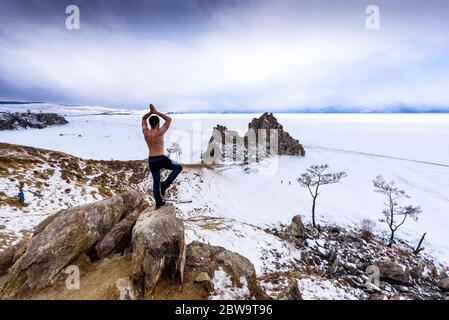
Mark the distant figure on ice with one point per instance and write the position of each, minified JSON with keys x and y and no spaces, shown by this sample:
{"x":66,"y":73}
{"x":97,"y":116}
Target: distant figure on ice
{"x":154,"y":138}
{"x":21,"y":196}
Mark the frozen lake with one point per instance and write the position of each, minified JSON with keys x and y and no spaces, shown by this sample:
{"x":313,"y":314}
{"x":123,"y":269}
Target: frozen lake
{"x":412,"y":149}
{"x":419,"y":137}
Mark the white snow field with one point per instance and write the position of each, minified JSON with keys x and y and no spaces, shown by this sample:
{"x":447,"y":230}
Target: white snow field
{"x":411,"y":149}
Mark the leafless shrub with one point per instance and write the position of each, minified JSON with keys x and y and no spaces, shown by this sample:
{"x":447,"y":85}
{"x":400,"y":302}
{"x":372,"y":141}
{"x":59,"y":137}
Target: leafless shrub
{"x":366,"y":229}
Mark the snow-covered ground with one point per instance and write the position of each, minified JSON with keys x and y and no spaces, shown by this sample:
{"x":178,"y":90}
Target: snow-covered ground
{"x":409,"y":148}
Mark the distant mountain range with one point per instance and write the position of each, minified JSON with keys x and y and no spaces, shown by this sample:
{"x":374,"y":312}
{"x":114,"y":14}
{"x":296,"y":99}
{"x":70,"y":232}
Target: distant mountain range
{"x":330,"y":109}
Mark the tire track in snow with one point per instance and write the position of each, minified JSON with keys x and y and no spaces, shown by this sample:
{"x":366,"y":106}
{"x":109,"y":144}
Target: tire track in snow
{"x":376,"y":155}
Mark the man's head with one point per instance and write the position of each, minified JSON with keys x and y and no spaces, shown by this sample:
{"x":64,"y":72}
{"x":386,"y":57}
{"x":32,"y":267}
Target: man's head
{"x":154,"y":121}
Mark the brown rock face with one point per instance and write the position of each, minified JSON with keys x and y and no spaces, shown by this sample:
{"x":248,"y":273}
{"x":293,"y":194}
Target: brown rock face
{"x":61,"y":239}
{"x":202,"y":257}
{"x":120,"y":234}
{"x":287,"y":145}
{"x":443,"y":284}
{"x":228,"y":145}
{"x":292,"y":292}
{"x":158,"y":247}
{"x":394,"y":273}
{"x":297,"y":228}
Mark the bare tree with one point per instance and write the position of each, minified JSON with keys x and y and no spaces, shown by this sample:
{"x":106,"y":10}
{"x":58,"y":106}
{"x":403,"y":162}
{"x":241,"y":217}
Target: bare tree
{"x":175,"y":148}
{"x":314,"y":177}
{"x":419,"y":247}
{"x":395,"y":215}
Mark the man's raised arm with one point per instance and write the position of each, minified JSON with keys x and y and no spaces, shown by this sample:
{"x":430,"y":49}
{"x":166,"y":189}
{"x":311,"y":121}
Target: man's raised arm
{"x":166,"y":118}
{"x":145,"y":121}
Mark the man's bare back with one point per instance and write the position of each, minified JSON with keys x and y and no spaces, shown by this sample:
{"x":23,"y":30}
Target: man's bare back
{"x":155,"y":143}
{"x":154,"y":137}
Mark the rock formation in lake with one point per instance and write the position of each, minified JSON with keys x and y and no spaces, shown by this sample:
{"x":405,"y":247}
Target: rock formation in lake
{"x":231,"y":147}
{"x":16,"y":120}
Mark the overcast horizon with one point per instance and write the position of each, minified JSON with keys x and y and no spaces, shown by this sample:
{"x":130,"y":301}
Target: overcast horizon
{"x":228,"y":55}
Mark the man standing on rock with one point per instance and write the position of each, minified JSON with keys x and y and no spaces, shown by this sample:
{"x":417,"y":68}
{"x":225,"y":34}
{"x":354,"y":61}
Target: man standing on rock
{"x":154,"y":138}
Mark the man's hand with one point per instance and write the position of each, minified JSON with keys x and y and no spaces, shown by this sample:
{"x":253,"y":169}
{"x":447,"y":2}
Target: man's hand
{"x":152,"y":108}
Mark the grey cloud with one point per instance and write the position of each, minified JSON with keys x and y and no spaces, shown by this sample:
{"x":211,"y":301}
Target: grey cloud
{"x":217,"y":55}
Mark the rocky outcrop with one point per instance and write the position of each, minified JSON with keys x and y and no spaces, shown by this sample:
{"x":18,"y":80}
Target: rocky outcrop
{"x":10,"y":256}
{"x":122,"y":249}
{"x":292,"y":292}
{"x":158,"y":247}
{"x":287,"y":145}
{"x":443,"y":284}
{"x":14,"y":121}
{"x":204,"y":279}
{"x":119,"y":236}
{"x":395,"y":273}
{"x":204,"y":258}
{"x":228,"y":146}
{"x":296,"y":228}
{"x":61,"y":239}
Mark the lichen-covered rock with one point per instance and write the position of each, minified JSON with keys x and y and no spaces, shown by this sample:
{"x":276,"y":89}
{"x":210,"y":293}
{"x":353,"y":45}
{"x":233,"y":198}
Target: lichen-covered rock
{"x":158,"y":247}
{"x":61,"y":239}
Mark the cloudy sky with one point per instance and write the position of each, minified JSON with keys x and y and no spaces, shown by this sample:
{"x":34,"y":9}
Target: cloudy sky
{"x":221,"y":55}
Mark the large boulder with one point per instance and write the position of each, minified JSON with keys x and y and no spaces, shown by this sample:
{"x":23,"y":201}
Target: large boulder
{"x":394,"y":273}
{"x":120,"y":234}
{"x":61,"y":239}
{"x":9,"y":256}
{"x":297,"y":228}
{"x":158,"y":248}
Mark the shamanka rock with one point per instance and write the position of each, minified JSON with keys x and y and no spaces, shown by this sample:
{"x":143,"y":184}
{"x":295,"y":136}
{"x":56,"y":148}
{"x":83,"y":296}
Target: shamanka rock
{"x":228,"y":146}
{"x":287,"y":145}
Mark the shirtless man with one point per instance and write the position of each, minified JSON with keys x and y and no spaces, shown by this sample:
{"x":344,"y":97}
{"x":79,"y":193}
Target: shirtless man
{"x":154,"y":138}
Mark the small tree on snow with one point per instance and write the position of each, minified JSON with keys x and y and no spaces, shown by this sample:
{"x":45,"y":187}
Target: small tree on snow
{"x":175,"y":148}
{"x":314,"y":177}
{"x":395,"y":215}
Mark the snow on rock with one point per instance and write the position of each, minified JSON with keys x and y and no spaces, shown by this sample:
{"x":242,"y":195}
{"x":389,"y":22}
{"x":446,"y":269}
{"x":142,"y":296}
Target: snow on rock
{"x":224,"y":290}
{"x":324,"y":289}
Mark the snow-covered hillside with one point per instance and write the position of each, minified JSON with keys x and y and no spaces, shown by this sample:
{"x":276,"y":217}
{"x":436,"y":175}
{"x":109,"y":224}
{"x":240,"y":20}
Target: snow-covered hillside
{"x":234,"y":206}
